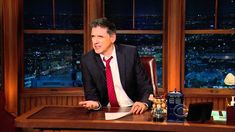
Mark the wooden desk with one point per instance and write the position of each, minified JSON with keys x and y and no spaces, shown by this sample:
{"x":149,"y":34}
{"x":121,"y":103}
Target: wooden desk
{"x":61,"y":119}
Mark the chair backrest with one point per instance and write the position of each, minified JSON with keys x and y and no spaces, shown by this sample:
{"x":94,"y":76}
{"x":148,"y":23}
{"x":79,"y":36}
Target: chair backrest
{"x":150,"y":64}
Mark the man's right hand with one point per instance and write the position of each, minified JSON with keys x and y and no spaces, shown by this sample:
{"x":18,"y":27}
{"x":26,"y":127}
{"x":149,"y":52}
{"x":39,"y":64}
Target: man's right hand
{"x":90,"y":105}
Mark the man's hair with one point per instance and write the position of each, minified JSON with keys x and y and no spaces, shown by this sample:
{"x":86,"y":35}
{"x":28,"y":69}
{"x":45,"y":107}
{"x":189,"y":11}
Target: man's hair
{"x":104,"y":23}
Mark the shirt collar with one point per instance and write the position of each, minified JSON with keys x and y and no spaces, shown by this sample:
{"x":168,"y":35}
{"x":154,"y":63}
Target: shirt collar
{"x":113,"y":54}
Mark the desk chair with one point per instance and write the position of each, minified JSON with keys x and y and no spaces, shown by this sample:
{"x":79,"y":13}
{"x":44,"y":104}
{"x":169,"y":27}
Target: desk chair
{"x":150,"y":64}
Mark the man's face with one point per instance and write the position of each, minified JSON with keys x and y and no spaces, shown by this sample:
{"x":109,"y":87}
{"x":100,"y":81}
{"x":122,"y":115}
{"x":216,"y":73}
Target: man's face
{"x":102,"y":42}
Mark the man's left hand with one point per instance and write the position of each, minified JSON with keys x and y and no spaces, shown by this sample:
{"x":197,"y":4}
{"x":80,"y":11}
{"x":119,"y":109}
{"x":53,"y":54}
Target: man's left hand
{"x":138,"y":108}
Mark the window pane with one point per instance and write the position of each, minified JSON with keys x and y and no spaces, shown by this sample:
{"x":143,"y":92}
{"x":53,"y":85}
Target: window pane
{"x":227,"y":14}
{"x":150,"y":15}
{"x":38,"y":14}
{"x":52,"y":60}
{"x":148,"y":45}
{"x":69,"y":14}
{"x":131,"y":14}
{"x":120,"y":12}
{"x":208,"y":59}
{"x":200,"y":14}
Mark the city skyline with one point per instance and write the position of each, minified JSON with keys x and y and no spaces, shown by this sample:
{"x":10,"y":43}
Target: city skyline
{"x":145,"y":19}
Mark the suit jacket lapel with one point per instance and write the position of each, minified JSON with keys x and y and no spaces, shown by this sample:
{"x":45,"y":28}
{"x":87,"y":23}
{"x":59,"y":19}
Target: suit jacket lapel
{"x":100,"y":65}
{"x":121,"y":65}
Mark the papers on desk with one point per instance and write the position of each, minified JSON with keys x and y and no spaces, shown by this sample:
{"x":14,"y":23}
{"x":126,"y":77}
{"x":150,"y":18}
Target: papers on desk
{"x":115,"y":115}
{"x":217,"y":116}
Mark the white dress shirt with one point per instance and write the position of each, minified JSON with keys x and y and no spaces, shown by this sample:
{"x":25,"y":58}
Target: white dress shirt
{"x":122,"y":98}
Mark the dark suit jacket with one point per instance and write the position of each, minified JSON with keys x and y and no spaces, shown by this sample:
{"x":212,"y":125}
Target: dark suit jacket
{"x":133,"y":76}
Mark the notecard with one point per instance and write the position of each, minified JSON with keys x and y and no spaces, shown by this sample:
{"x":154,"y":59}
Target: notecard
{"x":115,"y":115}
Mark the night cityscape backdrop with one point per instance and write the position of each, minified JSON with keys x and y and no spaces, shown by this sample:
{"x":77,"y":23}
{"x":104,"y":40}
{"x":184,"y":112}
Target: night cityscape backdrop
{"x":53,"y":60}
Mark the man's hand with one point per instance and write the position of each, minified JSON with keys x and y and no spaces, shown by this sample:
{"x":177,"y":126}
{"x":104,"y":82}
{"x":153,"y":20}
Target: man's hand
{"x":90,"y":105}
{"x":138,"y":108}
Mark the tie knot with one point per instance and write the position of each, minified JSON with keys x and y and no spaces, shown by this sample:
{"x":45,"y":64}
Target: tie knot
{"x":108,"y":61}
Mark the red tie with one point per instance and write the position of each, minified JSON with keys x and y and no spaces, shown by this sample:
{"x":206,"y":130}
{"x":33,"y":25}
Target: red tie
{"x":110,"y":85}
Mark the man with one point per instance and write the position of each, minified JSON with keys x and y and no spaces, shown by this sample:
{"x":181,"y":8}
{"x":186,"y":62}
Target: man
{"x":130,"y":82}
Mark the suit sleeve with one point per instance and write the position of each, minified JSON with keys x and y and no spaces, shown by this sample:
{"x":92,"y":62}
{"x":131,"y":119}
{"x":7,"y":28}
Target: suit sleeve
{"x":90,"y":90}
{"x":144,"y":85}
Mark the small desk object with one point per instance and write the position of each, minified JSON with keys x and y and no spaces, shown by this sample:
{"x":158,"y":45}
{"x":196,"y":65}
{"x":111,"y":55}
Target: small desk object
{"x":72,"y":119}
